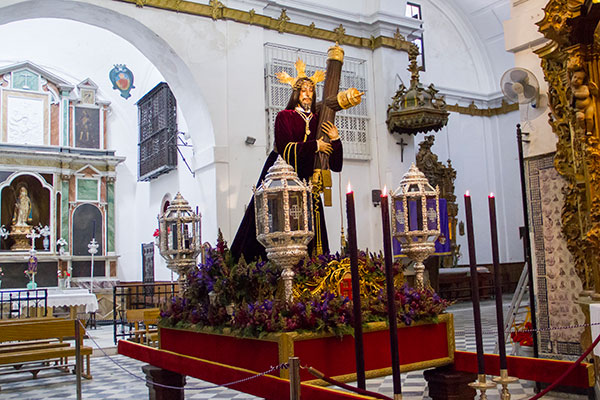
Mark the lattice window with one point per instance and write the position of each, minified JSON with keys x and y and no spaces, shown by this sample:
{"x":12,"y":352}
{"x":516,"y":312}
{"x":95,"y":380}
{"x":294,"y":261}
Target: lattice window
{"x":351,"y":123}
{"x":157,"y":114}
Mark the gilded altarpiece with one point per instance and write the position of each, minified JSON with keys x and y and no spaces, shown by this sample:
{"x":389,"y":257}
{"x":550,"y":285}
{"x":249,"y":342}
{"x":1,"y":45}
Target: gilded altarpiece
{"x":571,"y":64}
{"x":575,"y":49}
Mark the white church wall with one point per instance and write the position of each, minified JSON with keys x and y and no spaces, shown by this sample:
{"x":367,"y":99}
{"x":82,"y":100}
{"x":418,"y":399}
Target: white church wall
{"x":482,"y":149}
{"x":521,"y":38}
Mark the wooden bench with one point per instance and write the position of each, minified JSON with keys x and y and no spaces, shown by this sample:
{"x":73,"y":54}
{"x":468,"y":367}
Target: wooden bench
{"x":142,"y":320}
{"x":33,"y":346}
{"x":455,"y":283}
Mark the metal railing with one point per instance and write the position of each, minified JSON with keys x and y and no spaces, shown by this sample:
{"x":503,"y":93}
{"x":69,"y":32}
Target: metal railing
{"x":23,"y":303}
{"x":135,"y":297}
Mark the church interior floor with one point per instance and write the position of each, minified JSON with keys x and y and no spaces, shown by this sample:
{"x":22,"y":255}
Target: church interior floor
{"x":126,"y":380}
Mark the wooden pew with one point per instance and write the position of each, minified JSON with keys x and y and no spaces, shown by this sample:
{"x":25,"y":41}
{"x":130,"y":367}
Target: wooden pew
{"x":28,"y":358}
{"x":142,"y":320}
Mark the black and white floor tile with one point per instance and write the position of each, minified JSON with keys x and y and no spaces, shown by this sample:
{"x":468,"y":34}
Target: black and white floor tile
{"x":120,"y":378}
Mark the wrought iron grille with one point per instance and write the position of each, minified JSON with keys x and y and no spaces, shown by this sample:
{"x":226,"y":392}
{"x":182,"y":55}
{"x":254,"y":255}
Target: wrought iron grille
{"x":157,"y":119}
{"x":352,"y":123}
{"x":23,"y":303}
{"x":135,"y":297}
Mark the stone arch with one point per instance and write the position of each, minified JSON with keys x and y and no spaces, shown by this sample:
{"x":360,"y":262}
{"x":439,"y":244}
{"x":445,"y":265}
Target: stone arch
{"x":149,"y":43}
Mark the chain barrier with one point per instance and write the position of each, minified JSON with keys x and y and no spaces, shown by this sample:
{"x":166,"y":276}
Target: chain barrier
{"x":272,"y":369}
{"x":352,"y":388}
{"x":551,"y":328}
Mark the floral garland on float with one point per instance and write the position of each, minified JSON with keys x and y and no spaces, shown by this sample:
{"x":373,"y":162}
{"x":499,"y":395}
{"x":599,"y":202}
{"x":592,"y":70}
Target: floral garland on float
{"x":246,"y":298}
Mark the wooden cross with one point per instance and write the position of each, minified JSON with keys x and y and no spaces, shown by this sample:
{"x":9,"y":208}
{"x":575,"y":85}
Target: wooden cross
{"x":402,"y":143}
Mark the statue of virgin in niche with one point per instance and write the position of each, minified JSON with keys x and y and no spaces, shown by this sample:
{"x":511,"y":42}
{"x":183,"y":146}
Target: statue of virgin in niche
{"x":22,"y":214}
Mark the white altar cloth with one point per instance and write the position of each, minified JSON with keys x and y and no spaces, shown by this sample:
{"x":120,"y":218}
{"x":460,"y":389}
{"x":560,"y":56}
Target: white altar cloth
{"x":72,"y":297}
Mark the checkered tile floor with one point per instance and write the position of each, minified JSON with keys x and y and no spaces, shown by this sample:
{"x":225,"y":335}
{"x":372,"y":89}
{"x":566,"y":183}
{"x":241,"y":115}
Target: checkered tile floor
{"x":115,"y":377}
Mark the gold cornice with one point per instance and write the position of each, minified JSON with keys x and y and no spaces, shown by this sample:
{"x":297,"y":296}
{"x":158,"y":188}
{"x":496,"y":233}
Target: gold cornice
{"x":216,"y":10}
{"x":472,"y":109}
{"x":548,"y":50}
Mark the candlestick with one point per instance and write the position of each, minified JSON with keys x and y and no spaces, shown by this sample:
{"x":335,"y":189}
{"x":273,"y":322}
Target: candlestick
{"x":353,"y":250}
{"x":389,"y":283}
{"x":497,"y":280}
{"x":474,"y":284}
{"x":93,"y":229}
{"x":503,"y":379}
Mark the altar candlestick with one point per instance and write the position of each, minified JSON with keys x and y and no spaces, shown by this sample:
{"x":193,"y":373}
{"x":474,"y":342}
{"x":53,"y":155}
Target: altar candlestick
{"x":389,"y":283}
{"x":497,"y":280}
{"x":93,"y":229}
{"x":353,"y":249}
{"x":474,"y":284}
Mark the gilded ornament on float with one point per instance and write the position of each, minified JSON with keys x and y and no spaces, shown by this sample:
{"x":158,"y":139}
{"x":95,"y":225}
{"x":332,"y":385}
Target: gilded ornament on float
{"x":180,"y":237}
{"x":284,"y":225}
{"x":416,"y":218}
{"x":416,"y":109}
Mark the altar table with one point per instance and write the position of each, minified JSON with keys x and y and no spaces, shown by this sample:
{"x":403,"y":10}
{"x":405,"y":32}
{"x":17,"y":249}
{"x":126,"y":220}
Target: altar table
{"x":73,"y":297}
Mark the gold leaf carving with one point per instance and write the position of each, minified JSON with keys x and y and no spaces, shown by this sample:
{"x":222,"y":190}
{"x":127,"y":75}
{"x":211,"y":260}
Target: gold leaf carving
{"x":282,"y":21}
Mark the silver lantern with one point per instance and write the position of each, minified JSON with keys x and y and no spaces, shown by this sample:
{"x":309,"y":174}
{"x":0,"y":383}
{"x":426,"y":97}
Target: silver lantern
{"x":179,"y":237}
{"x":416,"y":218}
{"x":284,"y":225}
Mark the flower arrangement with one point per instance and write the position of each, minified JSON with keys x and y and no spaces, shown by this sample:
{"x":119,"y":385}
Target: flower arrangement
{"x":156,"y":233}
{"x":246,"y":298}
{"x":63,"y":274}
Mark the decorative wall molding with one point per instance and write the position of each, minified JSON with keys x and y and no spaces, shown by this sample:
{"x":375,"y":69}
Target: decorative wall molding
{"x":217,"y":11}
{"x":473,"y":110}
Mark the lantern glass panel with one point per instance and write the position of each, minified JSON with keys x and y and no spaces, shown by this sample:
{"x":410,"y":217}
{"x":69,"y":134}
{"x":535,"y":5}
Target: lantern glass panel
{"x":187,"y":235}
{"x":413,"y":188}
{"x":398,"y":215}
{"x":173,"y":236}
{"x":296,"y":211}
{"x":415,"y":214}
{"x":294,"y":183}
{"x":275,"y":209}
{"x":276,"y":183}
{"x":431,"y":214}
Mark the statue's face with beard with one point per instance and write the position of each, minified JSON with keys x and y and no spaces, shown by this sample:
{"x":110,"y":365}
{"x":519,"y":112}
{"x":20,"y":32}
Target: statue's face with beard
{"x":307,"y":92}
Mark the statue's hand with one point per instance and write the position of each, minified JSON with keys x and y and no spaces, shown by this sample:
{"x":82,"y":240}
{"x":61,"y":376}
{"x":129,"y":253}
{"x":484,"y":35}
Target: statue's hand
{"x":324,"y":147}
{"x":330,"y":130}
{"x":349,"y":98}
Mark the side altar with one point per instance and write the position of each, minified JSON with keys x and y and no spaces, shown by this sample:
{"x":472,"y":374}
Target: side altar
{"x":57,"y":179}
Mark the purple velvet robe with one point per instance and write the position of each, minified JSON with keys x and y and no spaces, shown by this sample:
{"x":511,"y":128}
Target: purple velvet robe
{"x":299,"y":151}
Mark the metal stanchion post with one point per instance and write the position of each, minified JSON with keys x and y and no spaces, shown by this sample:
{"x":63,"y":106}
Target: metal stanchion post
{"x":78,"y":357}
{"x":294,"y":368}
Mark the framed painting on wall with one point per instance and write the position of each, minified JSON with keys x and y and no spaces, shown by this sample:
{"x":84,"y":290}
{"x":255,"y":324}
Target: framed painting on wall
{"x":87,"y":127}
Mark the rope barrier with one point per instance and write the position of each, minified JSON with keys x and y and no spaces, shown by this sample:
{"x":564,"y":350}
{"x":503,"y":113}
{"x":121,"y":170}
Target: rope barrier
{"x":272,"y":369}
{"x":568,"y":371}
{"x":332,"y":381}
